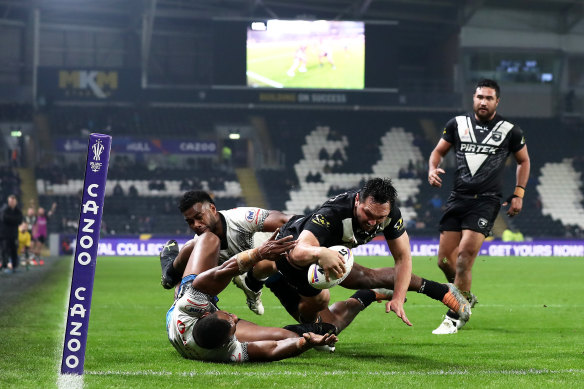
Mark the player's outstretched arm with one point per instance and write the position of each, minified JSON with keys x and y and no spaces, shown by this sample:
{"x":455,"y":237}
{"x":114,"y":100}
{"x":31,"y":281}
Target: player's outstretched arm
{"x":400,"y":249}
{"x":274,"y":350}
{"x":214,"y":280}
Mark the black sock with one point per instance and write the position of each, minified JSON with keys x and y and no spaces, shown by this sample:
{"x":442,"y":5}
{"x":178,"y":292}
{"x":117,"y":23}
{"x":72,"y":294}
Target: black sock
{"x":252,"y":282}
{"x":316,"y":328}
{"x":364,"y":296}
{"x":172,"y":273}
{"x":433,"y":289}
{"x":453,"y":315}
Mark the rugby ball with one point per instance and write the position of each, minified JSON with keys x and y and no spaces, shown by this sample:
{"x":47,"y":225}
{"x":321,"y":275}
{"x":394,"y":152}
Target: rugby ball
{"x":316,"y":277}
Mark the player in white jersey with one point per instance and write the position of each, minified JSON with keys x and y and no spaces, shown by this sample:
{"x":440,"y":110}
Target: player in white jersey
{"x":235,"y":229}
{"x":199,"y":330}
{"x":482,"y":141}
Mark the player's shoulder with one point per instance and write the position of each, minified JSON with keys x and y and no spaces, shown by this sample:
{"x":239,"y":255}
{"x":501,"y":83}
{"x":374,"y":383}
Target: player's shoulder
{"x":462,"y":117}
{"x":245,"y":215}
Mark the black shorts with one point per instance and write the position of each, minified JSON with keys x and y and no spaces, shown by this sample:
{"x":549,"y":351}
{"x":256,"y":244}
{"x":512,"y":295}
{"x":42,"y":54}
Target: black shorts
{"x":297,"y":278}
{"x":475,"y":213}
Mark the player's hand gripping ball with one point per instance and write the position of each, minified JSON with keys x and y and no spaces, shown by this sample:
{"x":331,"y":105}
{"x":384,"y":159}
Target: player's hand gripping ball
{"x":316,"y":277}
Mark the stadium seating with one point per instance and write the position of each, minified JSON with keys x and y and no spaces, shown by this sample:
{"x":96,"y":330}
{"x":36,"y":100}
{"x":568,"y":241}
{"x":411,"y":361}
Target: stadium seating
{"x":320,"y":154}
{"x":560,"y":190}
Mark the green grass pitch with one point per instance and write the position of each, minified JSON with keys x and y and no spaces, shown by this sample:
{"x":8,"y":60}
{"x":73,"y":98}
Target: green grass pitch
{"x":273,"y":63}
{"x":527,"y":331}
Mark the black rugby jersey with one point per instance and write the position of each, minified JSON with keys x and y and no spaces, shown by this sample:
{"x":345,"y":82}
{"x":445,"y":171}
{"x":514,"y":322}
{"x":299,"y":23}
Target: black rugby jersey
{"x":332,"y":223}
{"x":481,"y":152}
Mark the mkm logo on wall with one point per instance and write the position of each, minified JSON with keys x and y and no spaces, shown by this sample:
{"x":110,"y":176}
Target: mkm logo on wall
{"x":88,"y":84}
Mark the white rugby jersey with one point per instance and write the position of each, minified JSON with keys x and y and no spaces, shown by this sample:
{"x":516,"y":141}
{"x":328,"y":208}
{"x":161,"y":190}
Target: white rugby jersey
{"x":241,"y":225}
{"x":180,"y":321}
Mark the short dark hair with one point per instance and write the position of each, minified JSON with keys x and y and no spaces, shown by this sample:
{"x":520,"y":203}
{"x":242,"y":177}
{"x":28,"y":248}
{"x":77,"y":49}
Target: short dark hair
{"x":380,"y":189}
{"x":487,"y":83}
{"x":211,"y":332}
{"x":193,"y":197}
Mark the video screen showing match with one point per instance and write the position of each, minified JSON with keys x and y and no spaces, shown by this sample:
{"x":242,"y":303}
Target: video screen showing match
{"x":306,"y":54}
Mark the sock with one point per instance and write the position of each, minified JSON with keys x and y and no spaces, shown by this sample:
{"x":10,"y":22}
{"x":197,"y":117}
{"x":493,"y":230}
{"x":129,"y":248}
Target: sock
{"x":172,"y":273}
{"x":317,"y":328}
{"x":453,"y":315}
{"x":433,"y":289}
{"x":364,"y":296}
{"x":252,"y":282}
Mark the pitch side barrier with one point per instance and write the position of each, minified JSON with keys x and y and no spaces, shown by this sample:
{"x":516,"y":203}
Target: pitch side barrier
{"x":151,"y":246}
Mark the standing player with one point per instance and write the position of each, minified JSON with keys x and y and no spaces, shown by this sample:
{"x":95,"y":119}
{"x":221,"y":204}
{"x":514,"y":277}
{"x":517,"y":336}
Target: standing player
{"x":199,"y":330}
{"x":299,"y":61}
{"x":482,"y":142}
{"x":325,"y":51}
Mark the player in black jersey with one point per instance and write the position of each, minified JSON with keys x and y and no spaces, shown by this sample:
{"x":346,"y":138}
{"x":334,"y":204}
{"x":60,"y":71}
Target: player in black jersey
{"x":351,"y":219}
{"x":482,"y":141}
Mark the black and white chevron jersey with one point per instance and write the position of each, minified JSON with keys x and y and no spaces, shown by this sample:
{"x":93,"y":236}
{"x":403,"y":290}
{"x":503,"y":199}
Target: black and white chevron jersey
{"x":332,"y":224}
{"x":481,"y":152}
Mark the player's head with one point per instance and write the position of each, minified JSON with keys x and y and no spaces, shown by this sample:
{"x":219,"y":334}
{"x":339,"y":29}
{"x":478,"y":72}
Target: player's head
{"x":374,"y":202}
{"x":215,"y":329}
{"x":198,"y":209}
{"x":486,"y":99}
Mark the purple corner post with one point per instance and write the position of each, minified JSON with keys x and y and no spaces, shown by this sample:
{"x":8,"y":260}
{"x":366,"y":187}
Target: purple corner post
{"x":85,"y":254}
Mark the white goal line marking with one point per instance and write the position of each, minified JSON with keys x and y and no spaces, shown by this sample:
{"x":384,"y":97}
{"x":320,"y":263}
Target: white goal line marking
{"x":238,"y":373}
{"x":437,"y":305}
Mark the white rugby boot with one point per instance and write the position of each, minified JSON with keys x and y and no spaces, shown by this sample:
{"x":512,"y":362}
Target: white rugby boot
{"x":253,"y":299}
{"x":448,"y":326}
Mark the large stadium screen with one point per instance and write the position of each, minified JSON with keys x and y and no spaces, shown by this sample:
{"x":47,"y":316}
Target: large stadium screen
{"x":306,"y":54}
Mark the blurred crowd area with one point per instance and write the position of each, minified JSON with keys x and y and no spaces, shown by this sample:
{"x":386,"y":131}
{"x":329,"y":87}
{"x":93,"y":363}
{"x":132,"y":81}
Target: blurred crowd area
{"x":294,"y":161}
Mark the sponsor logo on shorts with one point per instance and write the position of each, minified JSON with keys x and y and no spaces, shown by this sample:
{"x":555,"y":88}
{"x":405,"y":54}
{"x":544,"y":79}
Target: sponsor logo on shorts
{"x":181,"y":326}
{"x":194,"y":307}
{"x":319,"y":220}
{"x":483,"y":222}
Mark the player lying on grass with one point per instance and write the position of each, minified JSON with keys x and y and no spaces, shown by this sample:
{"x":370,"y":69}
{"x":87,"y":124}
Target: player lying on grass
{"x":199,"y":330}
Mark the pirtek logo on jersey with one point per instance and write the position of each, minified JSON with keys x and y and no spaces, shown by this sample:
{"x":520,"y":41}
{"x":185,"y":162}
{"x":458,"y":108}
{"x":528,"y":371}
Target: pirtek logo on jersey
{"x":479,"y":149}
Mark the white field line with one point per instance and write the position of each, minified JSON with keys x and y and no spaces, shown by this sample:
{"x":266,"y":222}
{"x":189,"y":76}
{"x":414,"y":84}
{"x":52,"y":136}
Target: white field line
{"x":320,"y":373}
{"x":66,"y":381}
{"x":437,"y":304}
{"x":263,"y":79}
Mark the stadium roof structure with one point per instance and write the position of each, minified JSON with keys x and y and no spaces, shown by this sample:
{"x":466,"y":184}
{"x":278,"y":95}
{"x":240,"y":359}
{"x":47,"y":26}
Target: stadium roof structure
{"x":434,"y":14}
